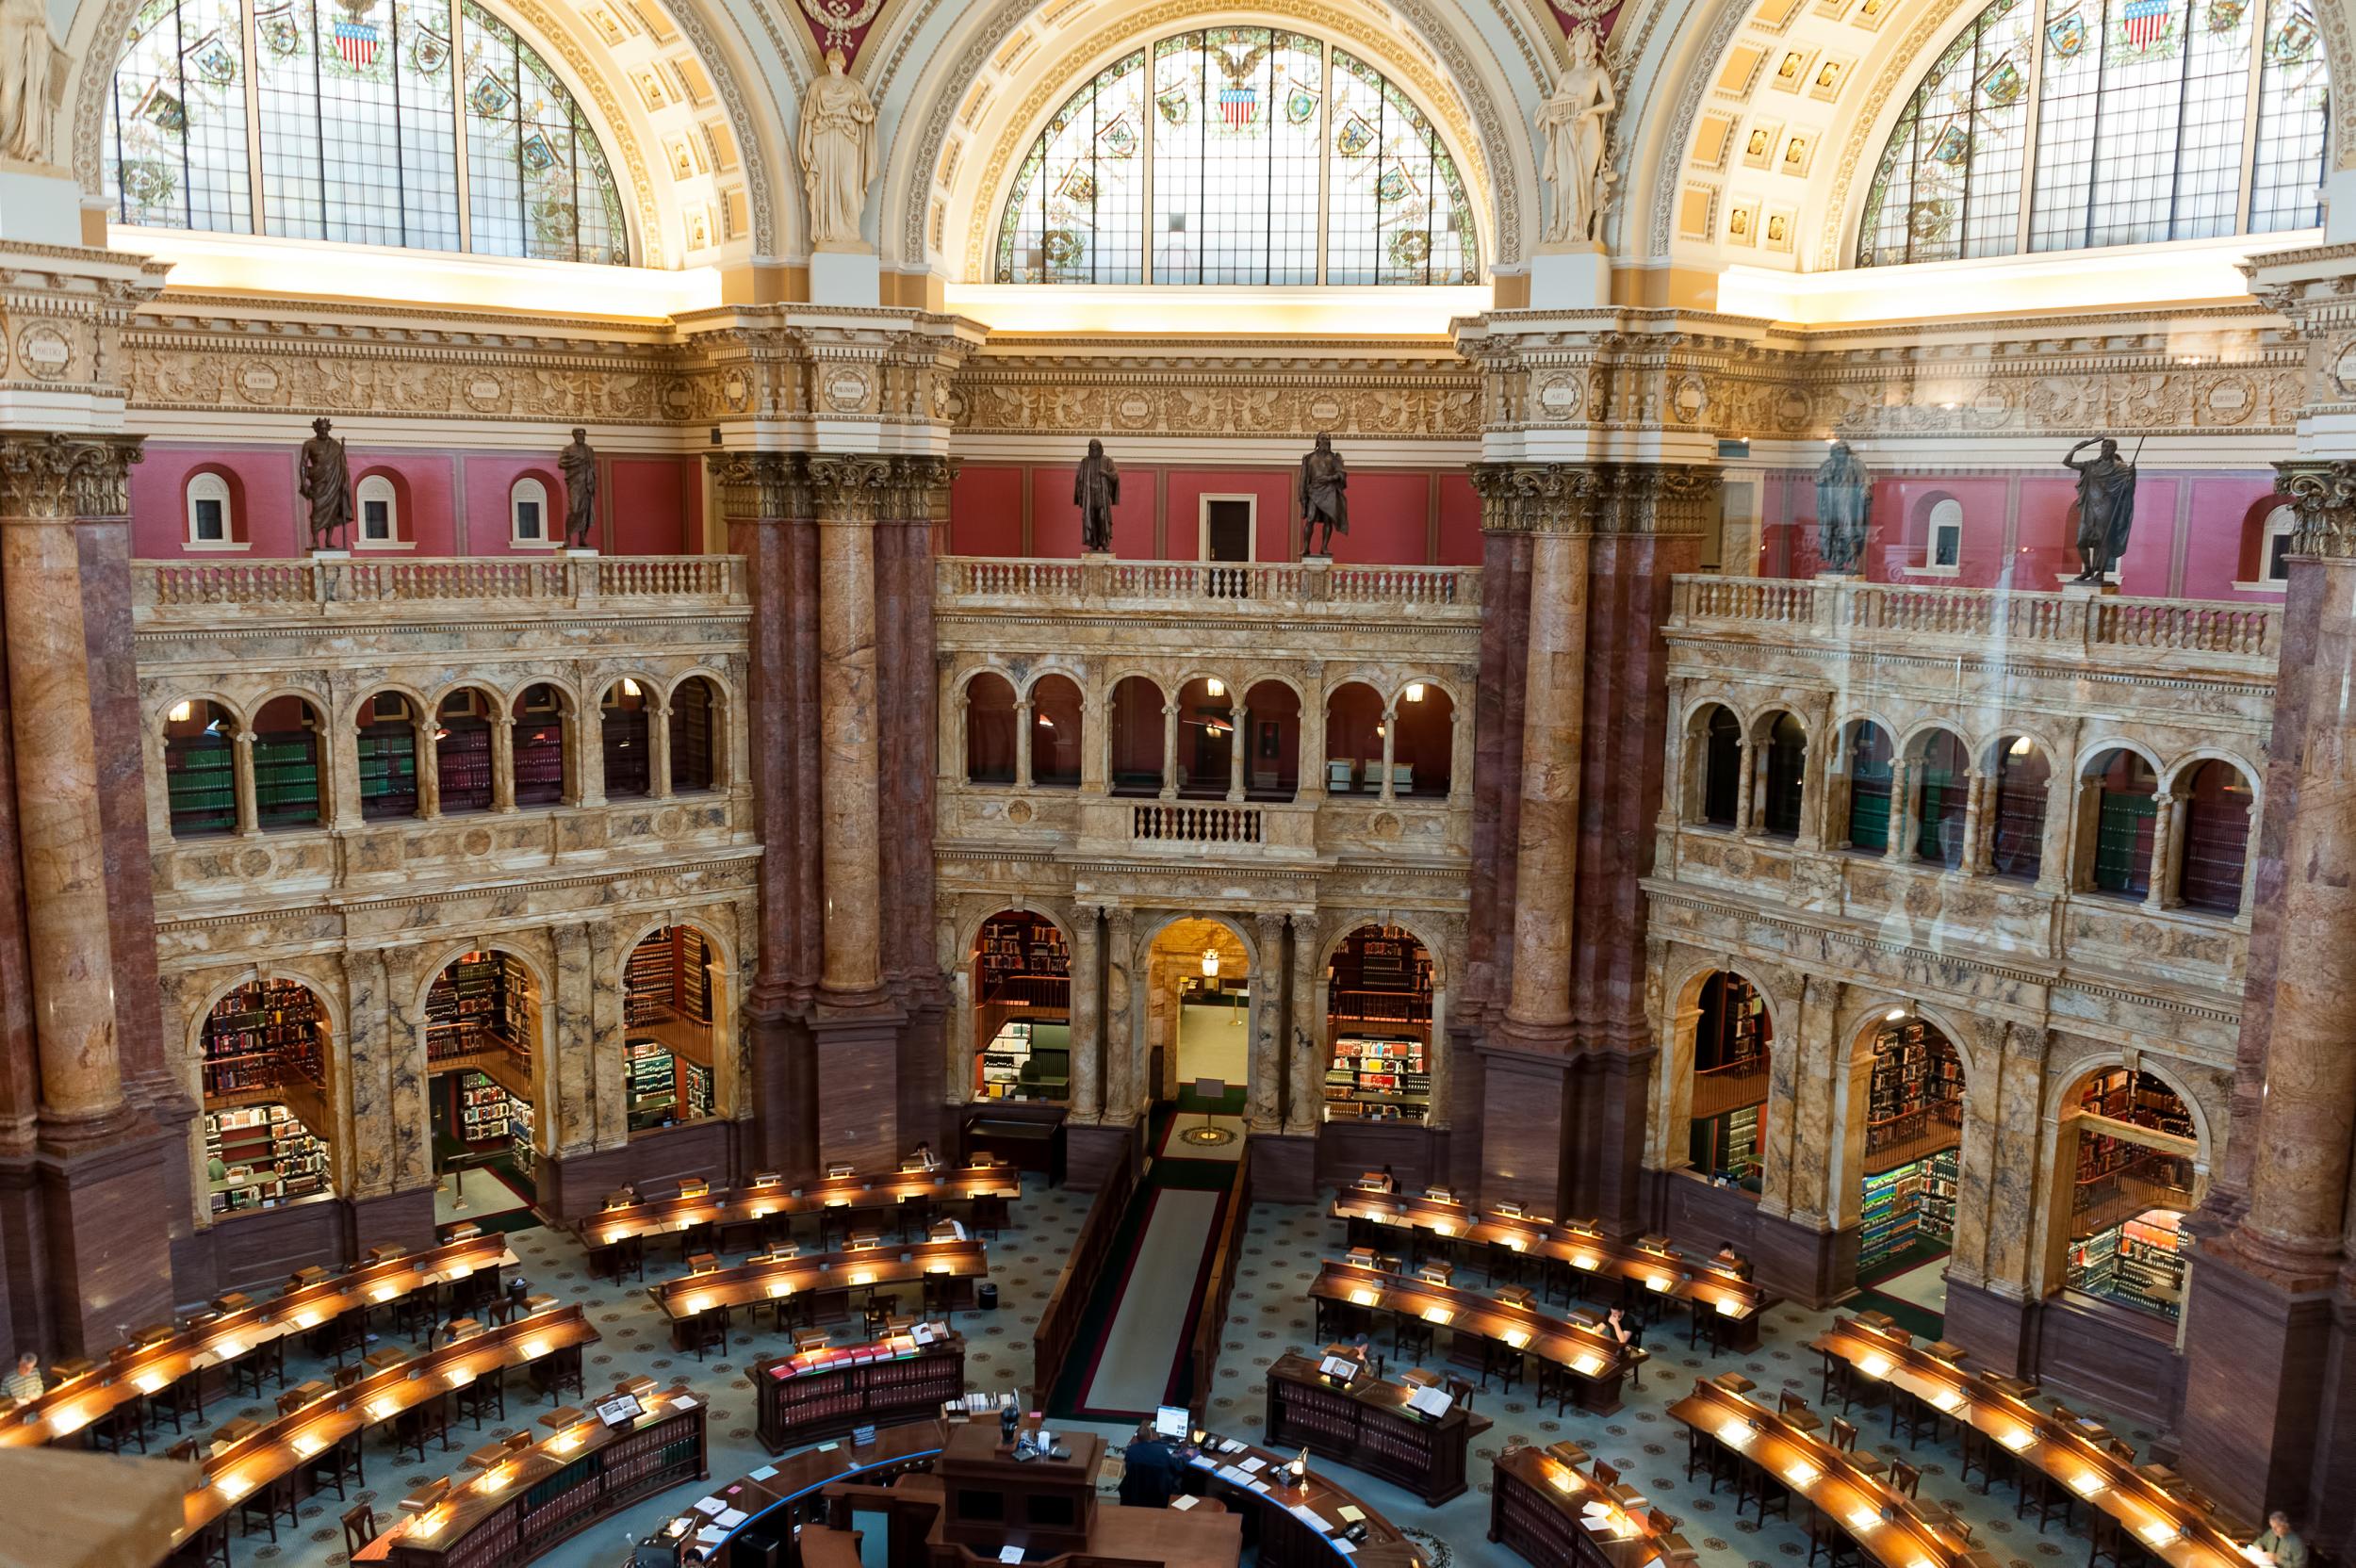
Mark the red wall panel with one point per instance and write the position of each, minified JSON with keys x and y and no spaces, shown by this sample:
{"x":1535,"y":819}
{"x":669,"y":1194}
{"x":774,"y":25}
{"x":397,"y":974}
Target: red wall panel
{"x":986,"y":510}
{"x":647,"y":510}
{"x":1460,"y":520}
{"x":1390,"y":519}
{"x":262,"y":486}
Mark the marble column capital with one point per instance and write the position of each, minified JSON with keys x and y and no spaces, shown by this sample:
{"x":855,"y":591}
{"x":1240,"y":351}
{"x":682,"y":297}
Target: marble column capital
{"x":48,"y":476}
{"x":2323,"y":498}
{"x":760,"y":486}
{"x":1595,"y":498}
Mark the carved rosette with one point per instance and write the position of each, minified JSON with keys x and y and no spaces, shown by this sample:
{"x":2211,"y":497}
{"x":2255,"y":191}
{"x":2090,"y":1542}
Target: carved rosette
{"x":2323,"y":496}
{"x":54,"y":476}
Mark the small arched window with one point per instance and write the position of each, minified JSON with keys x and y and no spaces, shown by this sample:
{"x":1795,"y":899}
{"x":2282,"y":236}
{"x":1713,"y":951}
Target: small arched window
{"x":2275,"y":558}
{"x":528,"y":513}
{"x":212,"y":514}
{"x":1943,"y":537}
{"x":379,"y":506}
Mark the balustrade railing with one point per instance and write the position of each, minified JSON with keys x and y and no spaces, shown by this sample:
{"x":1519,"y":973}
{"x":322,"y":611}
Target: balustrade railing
{"x":1979,"y":615}
{"x":1209,"y":584}
{"x":1196,"y":824}
{"x":186,"y":590}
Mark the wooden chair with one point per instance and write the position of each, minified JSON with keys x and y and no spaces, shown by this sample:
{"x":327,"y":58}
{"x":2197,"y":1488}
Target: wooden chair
{"x":1983,"y":1453}
{"x":1410,"y":1338}
{"x":1844,"y":1436}
{"x":1606,"y":1475}
{"x":120,"y":1428}
{"x":1906,"y":1479}
{"x":1757,"y":1488}
{"x":2106,"y":1542}
{"x":267,"y":1501}
{"x":486,"y":1395}
{"x":1460,"y":1392}
{"x":705,"y":1329}
{"x":359,"y":1529}
{"x":1502,"y":1360}
{"x":1795,"y":1413}
{"x":411,"y":1427}
{"x":2042,"y":1498}
{"x":336,"y":1463}
{"x":1704,"y":1451}
{"x":1708,"y":1328}
{"x":558,"y":1374}
{"x":990,"y":1216}
{"x":1827,"y":1540}
{"x":1912,"y":1414}
{"x":212,"y":1544}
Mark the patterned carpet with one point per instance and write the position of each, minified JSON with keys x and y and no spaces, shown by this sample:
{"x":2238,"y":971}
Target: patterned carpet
{"x":1271,"y":1314}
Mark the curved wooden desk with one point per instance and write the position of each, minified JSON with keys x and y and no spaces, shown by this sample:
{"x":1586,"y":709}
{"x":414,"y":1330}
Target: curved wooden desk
{"x":1366,"y":1425}
{"x":777,"y":1497}
{"x":157,"y":1358}
{"x":1703,"y":1286}
{"x":1539,"y":1507}
{"x":267,"y":1454}
{"x":933,"y":1264}
{"x":1273,"y":1505}
{"x":1589,"y":1356}
{"x":750,"y":1205}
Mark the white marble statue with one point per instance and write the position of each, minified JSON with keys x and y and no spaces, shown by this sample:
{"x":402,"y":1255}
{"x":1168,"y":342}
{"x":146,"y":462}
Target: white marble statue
{"x":32,"y":71}
{"x":1576,"y":125}
{"x":838,"y":150}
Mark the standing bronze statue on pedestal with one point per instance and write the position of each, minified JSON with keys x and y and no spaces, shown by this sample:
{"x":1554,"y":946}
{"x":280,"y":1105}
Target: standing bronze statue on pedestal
{"x":580,"y":467}
{"x":2106,"y":505}
{"x":326,"y":484}
{"x":1844,"y":508}
{"x":1096,"y":490}
{"x":1319,"y":493}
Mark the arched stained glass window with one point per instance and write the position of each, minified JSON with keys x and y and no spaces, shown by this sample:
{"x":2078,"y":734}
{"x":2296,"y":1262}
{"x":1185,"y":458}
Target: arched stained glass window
{"x":347,"y":117}
{"x":2078,"y":124}
{"x":1238,"y":155}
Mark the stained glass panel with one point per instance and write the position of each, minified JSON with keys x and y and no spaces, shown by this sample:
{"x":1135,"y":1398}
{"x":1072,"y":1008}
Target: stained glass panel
{"x":351,"y":108}
{"x":1077,"y":212}
{"x":177,"y":124}
{"x":2142,"y":116}
{"x":1256,"y":149}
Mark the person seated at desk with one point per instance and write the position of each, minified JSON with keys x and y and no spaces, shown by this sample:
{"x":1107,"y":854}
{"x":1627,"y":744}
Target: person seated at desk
{"x":924,"y":1156}
{"x":1151,"y":1471}
{"x":946,"y":1229}
{"x":1731,"y":1261}
{"x":1628,"y":1334}
{"x":25,"y":1383}
{"x":2281,"y":1546}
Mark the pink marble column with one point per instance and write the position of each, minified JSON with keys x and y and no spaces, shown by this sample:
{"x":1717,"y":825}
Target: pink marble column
{"x":44,"y":482}
{"x":850,"y":814}
{"x":1545,"y":859}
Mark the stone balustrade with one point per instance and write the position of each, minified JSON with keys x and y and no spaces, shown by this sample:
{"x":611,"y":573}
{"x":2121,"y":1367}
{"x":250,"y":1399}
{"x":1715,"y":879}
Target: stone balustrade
{"x":1277,"y":588}
{"x":2100,"y":630}
{"x":206,"y":592}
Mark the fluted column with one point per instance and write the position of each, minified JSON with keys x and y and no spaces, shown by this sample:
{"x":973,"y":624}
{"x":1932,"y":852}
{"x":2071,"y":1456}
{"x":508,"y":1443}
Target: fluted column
{"x":659,"y":750}
{"x":46,"y":482}
{"x":1305,"y":1045}
{"x":1124,"y":1066}
{"x":1553,"y":725}
{"x":503,"y":762}
{"x":1170,"y":750}
{"x":1268,"y":1006}
{"x":1023,"y":743}
{"x":2161,"y":894}
{"x":849,"y":803}
{"x":1087,"y":1086}
{"x":241,"y":779}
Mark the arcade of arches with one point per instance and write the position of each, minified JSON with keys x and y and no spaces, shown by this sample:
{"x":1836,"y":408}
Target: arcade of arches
{"x":592,"y":609}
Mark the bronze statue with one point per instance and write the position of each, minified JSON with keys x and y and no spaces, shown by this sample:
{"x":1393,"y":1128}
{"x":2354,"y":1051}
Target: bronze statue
{"x":1845,"y":508}
{"x":1096,"y":490}
{"x":326,"y":484}
{"x":2106,"y":506}
{"x":1318,"y":493}
{"x":580,"y":467}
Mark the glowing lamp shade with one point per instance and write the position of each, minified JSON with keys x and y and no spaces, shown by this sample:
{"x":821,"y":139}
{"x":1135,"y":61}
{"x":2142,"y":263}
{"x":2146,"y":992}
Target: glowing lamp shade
{"x":1734,"y":1433}
{"x":148,"y":1383}
{"x":1801,"y":1473}
{"x":1517,"y":1338}
{"x":1729,"y":1307}
{"x":1210,"y":963}
{"x":1437,"y":1315}
{"x":2019,"y":1438}
{"x":534,"y":1349}
{"x":2159,"y":1532}
{"x":1874,"y":1366}
{"x":1863,"y":1518}
{"x":2085,"y":1483}
{"x":564,"y":1442}
{"x":1585,"y":1260}
{"x":1364,"y":1297}
{"x":1566,"y":1480}
{"x":72,"y":1418}
{"x":1658,"y":1282}
{"x":1587,"y":1366}
{"x":429,"y":1524}
{"x":699,"y":1303}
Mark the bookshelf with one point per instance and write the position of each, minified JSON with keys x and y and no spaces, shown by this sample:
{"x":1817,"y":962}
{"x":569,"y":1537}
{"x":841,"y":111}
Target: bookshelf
{"x":1913,"y":1204}
{"x":471,"y":1010}
{"x":461,"y":764}
{"x":1027,"y":1059}
{"x":1380,"y":975}
{"x":2138,"y":1262}
{"x":261,"y":1038}
{"x":810,"y":1396}
{"x":691,"y":737}
{"x":622,"y":735}
{"x":1728,"y":1144}
{"x":388,"y":769}
{"x":1023,"y":961}
{"x":539,"y":742}
{"x":1915,"y":1095}
{"x":266,"y":1156}
{"x":201,"y":784}
{"x":1372,"y":1078}
{"x":287,"y":775}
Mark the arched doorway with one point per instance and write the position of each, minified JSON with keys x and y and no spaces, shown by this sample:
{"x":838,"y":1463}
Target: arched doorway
{"x":199,"y":769}
{"x":674,"y":1005}
{"x":483,"y":1026}
{"x":263,"y":1050}
{"x":1022,"y":988}
{"x":1905,"y":1117}
{"x":1378,"y":1027}
{"x":1133,"y":738}
{"x":1199,"y":1016}
{"x":1732,"y":1037}
{"x":2132,"y":1155}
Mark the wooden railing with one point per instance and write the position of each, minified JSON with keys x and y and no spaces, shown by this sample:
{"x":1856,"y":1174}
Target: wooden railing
{"x":1210,"y":1326}
{"x":206,"y":590}
{"x":2088,"y":625}
{"x":1058,"y":1330}
{"x":1208,"y":584}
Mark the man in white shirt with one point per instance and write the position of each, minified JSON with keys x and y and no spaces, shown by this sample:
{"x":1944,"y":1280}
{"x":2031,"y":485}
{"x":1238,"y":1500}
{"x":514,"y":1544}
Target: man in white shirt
{"x":25,"y":1382}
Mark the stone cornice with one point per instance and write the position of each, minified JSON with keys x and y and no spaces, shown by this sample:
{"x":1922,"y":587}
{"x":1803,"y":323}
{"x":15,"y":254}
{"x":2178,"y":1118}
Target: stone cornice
{"x":736,"y":865}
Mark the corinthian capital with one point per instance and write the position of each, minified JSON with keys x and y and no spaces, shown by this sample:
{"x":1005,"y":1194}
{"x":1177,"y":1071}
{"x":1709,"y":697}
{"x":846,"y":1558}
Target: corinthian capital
{"x":757,"y":486}
{"x":51,"y":475}
{"x":2323,"y":495}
